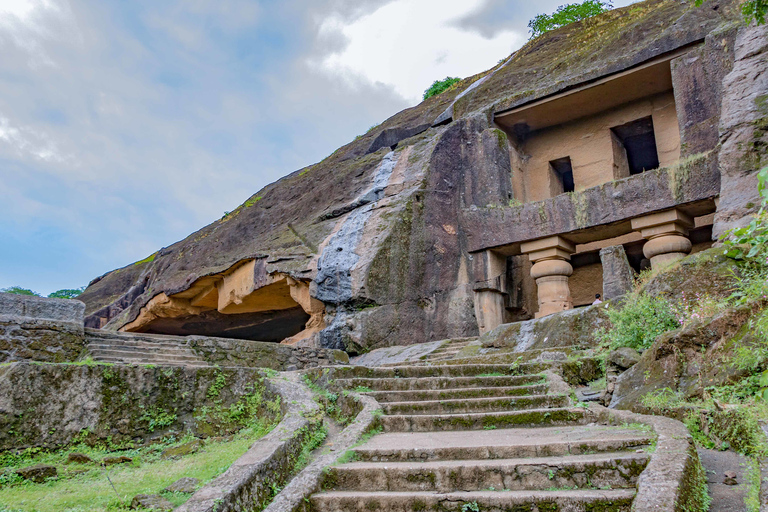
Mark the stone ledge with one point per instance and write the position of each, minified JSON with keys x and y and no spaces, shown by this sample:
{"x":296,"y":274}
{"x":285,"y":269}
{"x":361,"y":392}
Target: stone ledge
{"x":17,"y":307}
{"x":310,"y":479}
{"x":597,"y":213}
{"x":269,"y":460}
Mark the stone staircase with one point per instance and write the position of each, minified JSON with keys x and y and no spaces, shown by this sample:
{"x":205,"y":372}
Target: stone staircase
{"x":132,"y":348}
{"x":483,"y":437}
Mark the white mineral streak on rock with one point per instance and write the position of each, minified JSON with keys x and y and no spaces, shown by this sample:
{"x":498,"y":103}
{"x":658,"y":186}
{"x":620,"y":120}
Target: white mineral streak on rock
{"x":338,"y":258}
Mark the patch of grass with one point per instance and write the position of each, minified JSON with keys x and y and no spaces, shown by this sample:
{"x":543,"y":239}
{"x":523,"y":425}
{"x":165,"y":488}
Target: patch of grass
{"x":91,"y":491}
{"x":148,"y":259}
{"x":662,"y":400}
{"x":440,"y":86}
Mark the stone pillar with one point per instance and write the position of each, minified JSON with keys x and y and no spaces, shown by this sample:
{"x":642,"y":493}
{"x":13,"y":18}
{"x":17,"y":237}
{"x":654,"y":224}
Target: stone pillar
{"x":667,"y":235}
{"x":618,"y":276}
{"x":490,"y":289}
{"x":551,"y":271}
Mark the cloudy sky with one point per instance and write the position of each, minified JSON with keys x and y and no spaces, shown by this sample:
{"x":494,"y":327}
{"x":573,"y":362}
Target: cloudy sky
{"x":125,"y":126}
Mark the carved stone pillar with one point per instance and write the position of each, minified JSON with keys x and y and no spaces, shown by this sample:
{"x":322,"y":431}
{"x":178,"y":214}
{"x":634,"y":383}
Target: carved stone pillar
{"x":551,"y":271}
{"x":490,"y":289}
{"x":667,"y":235}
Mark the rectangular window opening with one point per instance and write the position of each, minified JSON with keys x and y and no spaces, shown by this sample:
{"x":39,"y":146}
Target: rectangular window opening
{"x":639,"y":144}
{"x":563,"y":174}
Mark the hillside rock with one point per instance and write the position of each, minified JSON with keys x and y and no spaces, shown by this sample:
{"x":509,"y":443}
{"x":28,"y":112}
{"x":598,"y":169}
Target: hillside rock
{"x":372,"y":247}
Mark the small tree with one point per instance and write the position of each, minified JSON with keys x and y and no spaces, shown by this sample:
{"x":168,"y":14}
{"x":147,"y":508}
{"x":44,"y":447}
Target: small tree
{"x":67,"y":293}
{"x":439,"y":86}
{"x":566,"y":14}
{"x":18,"y":290}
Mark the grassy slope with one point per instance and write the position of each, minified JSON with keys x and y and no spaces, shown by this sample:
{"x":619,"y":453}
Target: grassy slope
{"x":91,"y":491}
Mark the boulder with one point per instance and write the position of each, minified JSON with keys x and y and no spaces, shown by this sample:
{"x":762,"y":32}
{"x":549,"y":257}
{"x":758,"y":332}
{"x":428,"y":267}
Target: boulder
{"x":150,"y":502}
{"x":79,"y":458}
{"x":175,"y":452}
{"x":625,"y":357}
{"x":37,"y":473}
{"x":186,"y":484}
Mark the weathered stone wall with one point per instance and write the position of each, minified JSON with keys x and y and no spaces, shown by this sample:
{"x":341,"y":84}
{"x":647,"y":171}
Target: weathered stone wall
{"x":51,"y":405}
{"x":39,"y":329}
{"x":257,"y":354}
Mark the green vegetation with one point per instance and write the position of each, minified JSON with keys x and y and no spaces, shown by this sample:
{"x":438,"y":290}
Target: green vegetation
{"x":752,"y":10}
{"x":148,"y":259}
{"x":565,"y":15}
{"x":66,"y":293}
{"x":440,"y":86}
{"x":639,"y":322}
{"x":81,"y":487}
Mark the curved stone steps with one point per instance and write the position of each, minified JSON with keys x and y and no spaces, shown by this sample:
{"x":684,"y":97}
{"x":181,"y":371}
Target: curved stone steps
{"x":479,"y":421}
{"x":501,"y":443}
{"x":603,"y":470}
{"x":475,"y":405}
{"x":384,"y":397}
{"x":438,"y":383}
{"x":617,"y":500}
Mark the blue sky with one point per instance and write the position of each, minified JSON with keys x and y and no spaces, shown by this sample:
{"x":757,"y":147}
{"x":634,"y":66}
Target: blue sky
{"x":125,"y":126}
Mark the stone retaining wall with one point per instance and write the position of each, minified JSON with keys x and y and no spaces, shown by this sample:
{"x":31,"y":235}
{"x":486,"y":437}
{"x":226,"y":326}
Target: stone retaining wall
{"x":53,"y":405}
{"x":260,"y":354}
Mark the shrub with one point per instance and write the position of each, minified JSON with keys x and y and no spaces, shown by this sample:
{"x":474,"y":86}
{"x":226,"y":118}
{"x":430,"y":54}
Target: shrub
{"x":640,"y":321}
{"x":440,"y":86}
{"x":566,"y":14}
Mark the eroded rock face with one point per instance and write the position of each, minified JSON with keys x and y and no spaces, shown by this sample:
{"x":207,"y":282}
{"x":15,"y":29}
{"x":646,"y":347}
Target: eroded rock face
{"x":743,"y":129}
{"x":372,"y":247}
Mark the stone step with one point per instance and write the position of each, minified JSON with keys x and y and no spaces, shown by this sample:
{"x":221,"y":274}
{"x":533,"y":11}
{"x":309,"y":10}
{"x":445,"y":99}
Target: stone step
{"x":145,"y":359}
{"x":454,"y":394}
{"x":435,"y":383}
{"x":471,"y":405}
{"x":616,"y":500}
{"x":140,"y":350}
{"x":141,"y":346}
{"x":605,"y":470}
{"x":121,"y":354}
{"x":152,"y":363}
{"x":479,"y":421}
{"x":119,"y":342}
{"x":500,"y":443}
{"x":544,"y":355}
{"x":463,"y":370}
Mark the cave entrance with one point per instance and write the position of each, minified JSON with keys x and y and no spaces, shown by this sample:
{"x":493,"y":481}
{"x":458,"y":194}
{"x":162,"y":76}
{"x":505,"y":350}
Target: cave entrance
{"x":246,"y":302}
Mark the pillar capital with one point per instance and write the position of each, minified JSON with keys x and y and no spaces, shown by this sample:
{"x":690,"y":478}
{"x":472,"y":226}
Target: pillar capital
{"x":667,"y":235}
{"x":550,"y":248}
{"x":670,"y":222}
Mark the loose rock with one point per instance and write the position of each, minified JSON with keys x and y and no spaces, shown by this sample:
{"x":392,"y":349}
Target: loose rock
{"x":37,"y":473}
{"x":111,"y":461}
{"x":185,"y":484}
{"x":151,"y":502}
{"x":624,"y":357}
{"x":79,"y":458}
{"x":181,"y":450}
{"x":729,"y":478}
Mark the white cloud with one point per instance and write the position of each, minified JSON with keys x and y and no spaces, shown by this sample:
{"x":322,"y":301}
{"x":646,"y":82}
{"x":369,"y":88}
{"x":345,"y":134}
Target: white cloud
{"x":408,"y":45}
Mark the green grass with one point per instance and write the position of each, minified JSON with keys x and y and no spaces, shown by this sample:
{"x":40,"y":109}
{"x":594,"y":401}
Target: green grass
{"x":91,"y":491}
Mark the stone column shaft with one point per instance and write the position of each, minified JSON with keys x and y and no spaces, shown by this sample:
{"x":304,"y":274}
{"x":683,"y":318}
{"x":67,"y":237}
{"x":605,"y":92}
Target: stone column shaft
{"x":551,"y":270}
